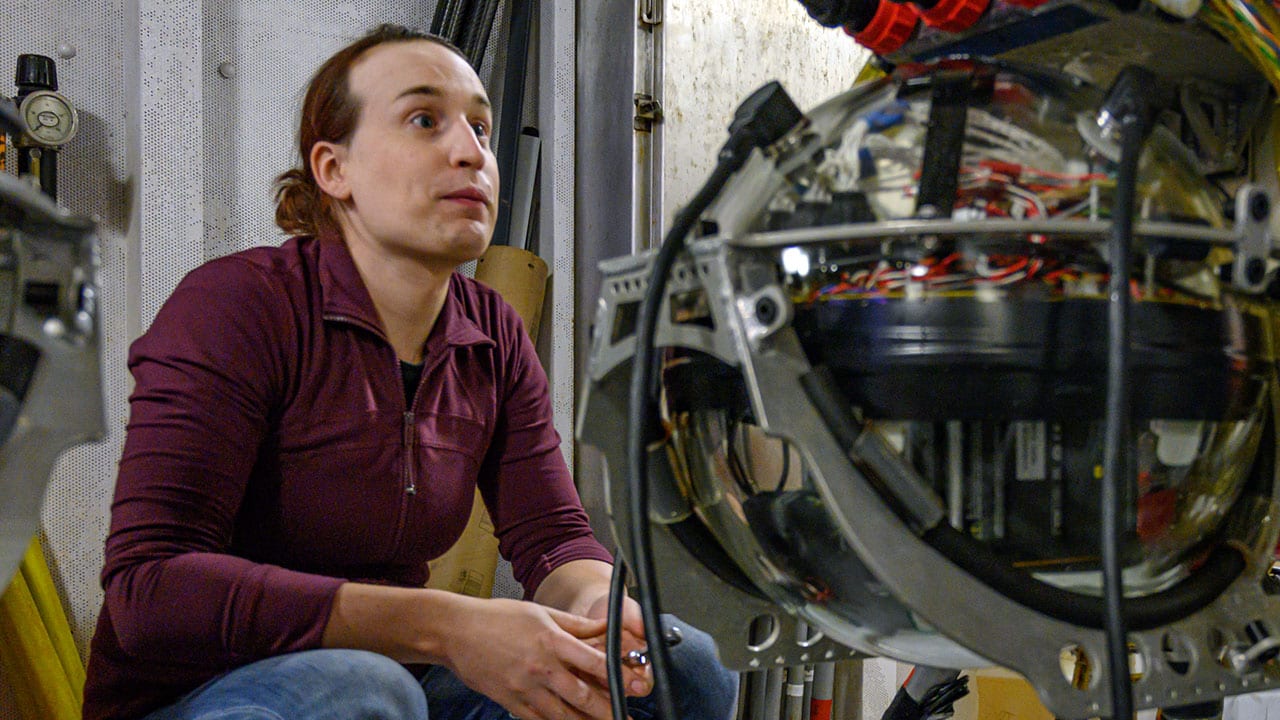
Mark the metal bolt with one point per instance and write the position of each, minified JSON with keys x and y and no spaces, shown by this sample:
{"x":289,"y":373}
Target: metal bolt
{"x":766,"y":310}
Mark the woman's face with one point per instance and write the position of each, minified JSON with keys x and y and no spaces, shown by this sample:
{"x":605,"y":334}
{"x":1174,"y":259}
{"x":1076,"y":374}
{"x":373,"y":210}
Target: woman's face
{"x":417,"y":176}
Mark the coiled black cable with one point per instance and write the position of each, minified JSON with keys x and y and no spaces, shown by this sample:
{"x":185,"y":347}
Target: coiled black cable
{"x":643,"y":411}
{"x":613,"y":639}
{"x":761,"y":120}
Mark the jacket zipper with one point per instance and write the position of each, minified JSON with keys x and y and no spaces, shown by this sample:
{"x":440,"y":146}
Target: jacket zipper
{"x":409,"y":438}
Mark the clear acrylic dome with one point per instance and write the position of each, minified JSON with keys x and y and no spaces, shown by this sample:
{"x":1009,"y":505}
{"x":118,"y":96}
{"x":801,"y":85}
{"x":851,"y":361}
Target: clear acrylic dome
{"x":975,"y":349}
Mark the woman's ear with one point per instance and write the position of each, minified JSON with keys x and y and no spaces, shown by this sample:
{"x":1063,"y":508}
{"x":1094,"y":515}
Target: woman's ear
{"x":328,"y":165}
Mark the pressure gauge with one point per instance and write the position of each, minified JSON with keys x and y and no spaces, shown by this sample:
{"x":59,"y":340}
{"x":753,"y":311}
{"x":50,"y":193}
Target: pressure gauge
{"x":51,"y":119}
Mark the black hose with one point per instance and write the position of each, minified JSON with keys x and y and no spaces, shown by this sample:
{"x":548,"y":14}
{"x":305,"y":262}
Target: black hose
{"x":1222,"y":566}
{"x":447,"y":21}
{"x":613,"y":639}
{"x":1115,"y":453}
{"x":477,"y":36}
{"x":641,"y":401}
{"x":761,"y":119}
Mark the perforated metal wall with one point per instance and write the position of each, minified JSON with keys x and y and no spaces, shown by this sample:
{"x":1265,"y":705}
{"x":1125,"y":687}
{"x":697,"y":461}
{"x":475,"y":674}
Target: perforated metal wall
{"x":84,"y":40}
{"x":187,"y":111}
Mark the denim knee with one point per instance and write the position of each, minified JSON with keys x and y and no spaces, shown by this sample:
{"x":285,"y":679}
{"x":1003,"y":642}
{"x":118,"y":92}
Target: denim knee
{"x":701,"y":687}
{"x":384,"y":687}
{"x":309,"y":685}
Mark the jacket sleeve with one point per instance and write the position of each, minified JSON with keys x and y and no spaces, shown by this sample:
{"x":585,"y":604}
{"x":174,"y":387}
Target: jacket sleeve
{"x":209,"y":374}
{"x":537,"y":514}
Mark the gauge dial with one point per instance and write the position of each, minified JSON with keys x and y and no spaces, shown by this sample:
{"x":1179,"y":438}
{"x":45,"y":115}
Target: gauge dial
{"x":50,"y":118}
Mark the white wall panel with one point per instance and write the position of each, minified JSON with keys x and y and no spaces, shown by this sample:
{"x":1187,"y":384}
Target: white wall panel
{"x":716,"y":55}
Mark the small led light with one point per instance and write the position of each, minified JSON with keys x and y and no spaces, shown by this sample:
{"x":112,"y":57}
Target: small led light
{"x":795,"y":261}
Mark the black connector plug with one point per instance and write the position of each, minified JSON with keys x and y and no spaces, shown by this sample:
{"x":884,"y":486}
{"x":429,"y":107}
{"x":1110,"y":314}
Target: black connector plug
{"x":764,"y":117}
{"x":831,"y":13}
{"x":1132,"y":95}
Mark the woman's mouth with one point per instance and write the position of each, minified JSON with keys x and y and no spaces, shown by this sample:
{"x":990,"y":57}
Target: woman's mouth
{"x":469,"y":196}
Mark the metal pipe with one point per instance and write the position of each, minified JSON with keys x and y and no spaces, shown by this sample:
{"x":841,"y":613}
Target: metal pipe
{"x":511,"y":113}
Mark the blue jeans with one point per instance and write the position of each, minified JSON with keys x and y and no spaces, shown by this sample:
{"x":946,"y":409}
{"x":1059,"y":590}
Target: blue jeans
{"x":359,"y":685}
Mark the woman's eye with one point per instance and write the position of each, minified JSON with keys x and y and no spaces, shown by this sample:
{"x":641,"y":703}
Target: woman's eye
{"x":423,"y":121}
{"x":480,"y":129}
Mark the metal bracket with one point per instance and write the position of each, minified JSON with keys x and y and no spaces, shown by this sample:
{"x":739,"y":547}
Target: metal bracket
{"x":650,"y":12}
{"x":648,"y":112}
{"x":1253,"y":216}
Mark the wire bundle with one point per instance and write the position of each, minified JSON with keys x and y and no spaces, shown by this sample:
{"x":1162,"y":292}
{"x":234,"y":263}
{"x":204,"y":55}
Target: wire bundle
{"x":939,"y":702}
{"x":1251,"y":27}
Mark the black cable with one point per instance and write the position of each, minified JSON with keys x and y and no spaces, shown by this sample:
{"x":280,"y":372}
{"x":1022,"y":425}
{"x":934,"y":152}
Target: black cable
{"x":941,"y":698}
{"x":1115,"y":453}
{"x":1221,"y":567}
{"x":761,"y":119}
{"x":477,"y":38}
{"x":613,"y":639}
{"x":642,"y":414}
{"x":447,"y":22}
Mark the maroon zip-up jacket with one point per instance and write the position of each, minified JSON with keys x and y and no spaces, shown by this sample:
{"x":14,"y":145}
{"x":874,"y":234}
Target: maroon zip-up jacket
{"x":270,"y":456}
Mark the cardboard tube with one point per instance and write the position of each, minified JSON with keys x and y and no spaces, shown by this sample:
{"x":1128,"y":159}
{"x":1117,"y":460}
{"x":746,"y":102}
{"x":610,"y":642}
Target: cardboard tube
{"x":468,"y":567}
{"x":520,"y":277}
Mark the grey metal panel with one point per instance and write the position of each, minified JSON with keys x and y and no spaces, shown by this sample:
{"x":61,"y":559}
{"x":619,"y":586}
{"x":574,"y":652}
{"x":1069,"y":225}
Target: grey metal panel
{"x":554,"y":55}
{"x":606,"y":69}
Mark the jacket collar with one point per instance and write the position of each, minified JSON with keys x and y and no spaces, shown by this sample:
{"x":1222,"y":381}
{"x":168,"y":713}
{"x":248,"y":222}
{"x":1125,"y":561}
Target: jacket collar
{"x":345,"y":298}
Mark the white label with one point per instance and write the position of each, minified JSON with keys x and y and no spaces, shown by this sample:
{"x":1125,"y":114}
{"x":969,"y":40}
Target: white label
{"x":1029,"y":450}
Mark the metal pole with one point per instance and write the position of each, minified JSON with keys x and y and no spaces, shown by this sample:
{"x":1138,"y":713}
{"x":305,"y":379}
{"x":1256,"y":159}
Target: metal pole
{"x":512,"y":111}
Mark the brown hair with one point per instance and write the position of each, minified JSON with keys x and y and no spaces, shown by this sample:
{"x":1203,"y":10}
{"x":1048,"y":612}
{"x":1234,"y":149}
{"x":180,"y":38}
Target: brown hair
{"x":329,"y":114}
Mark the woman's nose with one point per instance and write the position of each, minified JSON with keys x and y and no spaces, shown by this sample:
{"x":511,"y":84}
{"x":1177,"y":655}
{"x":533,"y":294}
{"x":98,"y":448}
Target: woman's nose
{"x":466,"y":148}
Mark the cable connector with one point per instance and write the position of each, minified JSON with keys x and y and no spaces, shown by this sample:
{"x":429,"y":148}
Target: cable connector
{"x":1132,"y":95}
{"x":834,"y":13}
{"x":764,"y":117}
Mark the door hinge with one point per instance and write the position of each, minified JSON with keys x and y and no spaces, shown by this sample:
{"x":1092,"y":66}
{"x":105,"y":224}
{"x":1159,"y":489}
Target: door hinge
{"x":648,"y":112}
